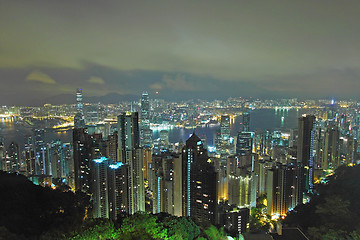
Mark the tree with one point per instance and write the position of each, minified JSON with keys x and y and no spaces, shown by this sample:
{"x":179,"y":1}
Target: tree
{"x":142,"y":226}
{"x":213,"y":233}
{"x":332,"y":209}
{"x":179,"y":227}
{"x":96,"y":229}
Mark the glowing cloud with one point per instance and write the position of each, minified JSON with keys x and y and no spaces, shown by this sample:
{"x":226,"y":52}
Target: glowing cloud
{"x":96,"y":80}
{"x":178,"y":83}
{"x":37,"y":76}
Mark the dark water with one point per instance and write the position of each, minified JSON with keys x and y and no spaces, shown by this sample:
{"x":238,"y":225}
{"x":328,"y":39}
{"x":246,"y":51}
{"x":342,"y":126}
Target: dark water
{"x":261,"y":119}
{"x":11,"y":131}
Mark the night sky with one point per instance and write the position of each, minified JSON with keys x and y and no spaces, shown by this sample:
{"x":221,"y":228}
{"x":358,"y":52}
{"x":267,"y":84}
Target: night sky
{"x":182,"y":49}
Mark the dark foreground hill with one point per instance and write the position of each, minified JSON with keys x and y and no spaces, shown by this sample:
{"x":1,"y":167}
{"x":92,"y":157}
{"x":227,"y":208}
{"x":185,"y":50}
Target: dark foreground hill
{"x":334,"y":209}
{"x":28,"y":211}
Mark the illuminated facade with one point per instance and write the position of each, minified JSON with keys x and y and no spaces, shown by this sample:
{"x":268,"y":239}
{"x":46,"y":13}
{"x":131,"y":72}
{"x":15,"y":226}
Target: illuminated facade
{"x":198,"y":182}
{"x":162,"y":182}
{"x":245,"y":143}
{"x":331,"y":156}
{"x":82,"y":157}
{"x":145,"y":131}
{"x":130,"y":152}
{"x":41,"y":166}
{"x":109,"y":188}
{"x":246,"y":122}
{"x":79,"y":120}
{"x":305,"y":149}
{"x":283,"y":188}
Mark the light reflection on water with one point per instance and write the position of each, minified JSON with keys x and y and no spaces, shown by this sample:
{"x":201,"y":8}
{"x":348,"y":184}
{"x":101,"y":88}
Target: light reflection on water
{"x":262,"y":119}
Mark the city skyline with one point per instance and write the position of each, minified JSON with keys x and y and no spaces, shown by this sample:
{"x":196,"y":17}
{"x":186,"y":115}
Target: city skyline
{"x":179,"y":49}
{"x":214,"y":162}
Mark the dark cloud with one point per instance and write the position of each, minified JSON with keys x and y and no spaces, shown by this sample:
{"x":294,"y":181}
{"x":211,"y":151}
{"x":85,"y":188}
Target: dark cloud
{"x":265,"y":48}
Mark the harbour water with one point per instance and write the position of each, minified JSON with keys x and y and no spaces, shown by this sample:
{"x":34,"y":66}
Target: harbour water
{"x":262,"y":119}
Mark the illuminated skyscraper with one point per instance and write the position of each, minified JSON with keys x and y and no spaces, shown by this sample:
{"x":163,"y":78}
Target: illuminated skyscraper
{"x":41,"y":165}
{"x":332,"y":148}
{"x":109,"y":188}
{"x":100,"y":188}
{"x":198,"y":182}
{"x":79,"y":121}
{"x":61,"y":162}
{"x":82,"y":156}
{"x":305,"y":148}
{"x":283,"y":188}
{"x":57,"y":163}
{"x":145,"y":109}
{"x":112,"y":147}
{"x":130,"y":153}
{"x":13,"y":157}
{"x":30,"y":156}
{"x":225,"y":127}
{"x":145,"y":131}
{"x":244,"y":143}
{"x":118,"y":183}
{"x":2,"y":155}
{"x":162,"y":182}
{"x":240,"y":188}
{"x":246,"y":122}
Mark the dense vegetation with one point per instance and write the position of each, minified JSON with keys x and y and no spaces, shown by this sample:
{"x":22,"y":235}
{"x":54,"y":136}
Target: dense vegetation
{"x":29,"y":211}
{"x":146,"y":226}
{"x":334,"y":209}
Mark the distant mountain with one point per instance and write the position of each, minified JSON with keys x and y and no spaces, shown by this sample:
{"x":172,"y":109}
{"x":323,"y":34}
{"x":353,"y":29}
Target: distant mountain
{"x":106,"y":99}
{"x":111,"y":98}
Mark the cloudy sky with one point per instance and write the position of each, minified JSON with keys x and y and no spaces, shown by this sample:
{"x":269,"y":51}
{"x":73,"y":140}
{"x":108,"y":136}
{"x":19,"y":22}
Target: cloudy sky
{"x":182,"y":49}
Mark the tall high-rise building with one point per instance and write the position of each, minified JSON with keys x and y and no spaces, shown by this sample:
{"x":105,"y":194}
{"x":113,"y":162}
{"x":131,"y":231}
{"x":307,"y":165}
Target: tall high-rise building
{"x":198,"y":182}
{"x":162,"y":182}
{"x":226,"y":145}
{"x":109,"y":188}
{"x":82,"y":158}
{"x":130,"y":153}
{"x":79,"y":120}
{"x":245,"y":143}
{"x":100,"y":188}
{"x":60,"y":157}
{"x":40,"y":153}
{"x":331,"y":156}
{"x":67,"y":160}
{"x":145,"y":131}
{"x":283,"y":188}
{"x":112,"y":147}
{"x":145,"y":109}
{"x":29,"y":154}
{"x":225,"y":127}
{"x":246,"y":122}
{"x":57,"y":163}
{"x":2,"y":155}
{"x":118,"y":183}
{"x":13,"y":157}
{"x":240,"y":188}
{"x":305,"y":148}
